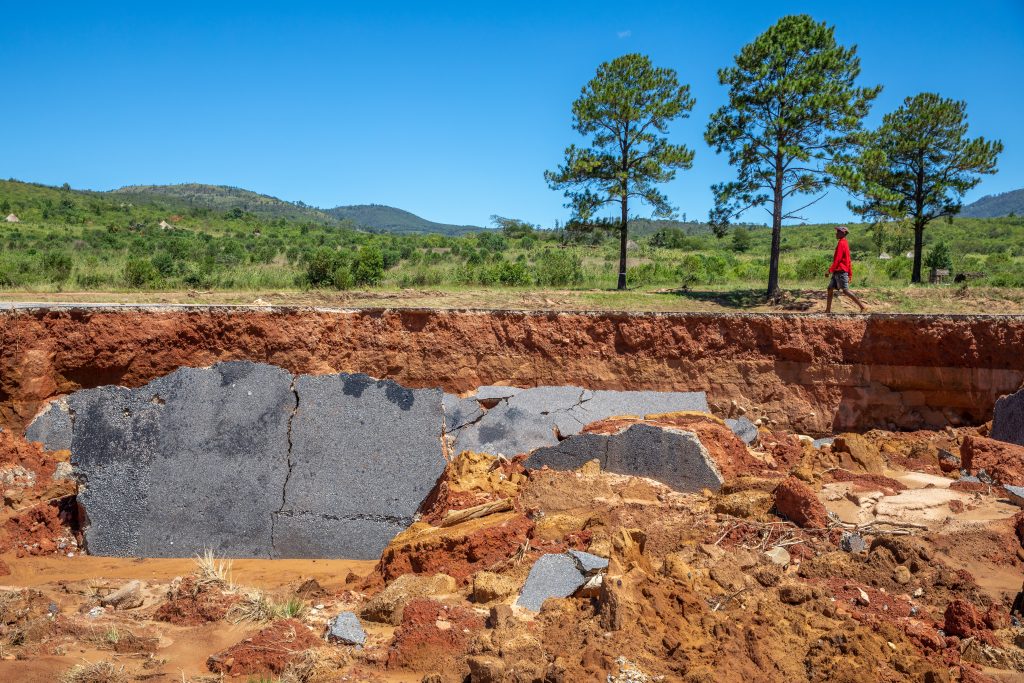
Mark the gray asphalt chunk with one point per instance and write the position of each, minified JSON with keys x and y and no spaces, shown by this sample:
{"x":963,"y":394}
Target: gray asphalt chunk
{"x":459,"y":412}
{"x":743,"y":428}
{"x":1015,"y":494}
{"x":674,"y":457}
{"x":345,"y":628}
{"x":551,"y":576}
{"x":52,"y":427}
{"x":588,"y":563}
{"x":494,"y":392}
{"x":827,"y":441}
{"x":1008,"y":419}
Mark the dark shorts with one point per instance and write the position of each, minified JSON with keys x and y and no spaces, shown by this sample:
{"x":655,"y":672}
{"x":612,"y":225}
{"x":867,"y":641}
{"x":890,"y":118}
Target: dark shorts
{"x":840,"y":280}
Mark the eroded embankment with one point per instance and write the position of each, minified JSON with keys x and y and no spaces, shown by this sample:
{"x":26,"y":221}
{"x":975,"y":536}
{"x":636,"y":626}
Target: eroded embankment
{"x":810,"y":373}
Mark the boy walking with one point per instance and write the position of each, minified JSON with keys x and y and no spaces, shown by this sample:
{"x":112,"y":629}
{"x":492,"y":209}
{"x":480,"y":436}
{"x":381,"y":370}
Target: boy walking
{"x":841,"y":270}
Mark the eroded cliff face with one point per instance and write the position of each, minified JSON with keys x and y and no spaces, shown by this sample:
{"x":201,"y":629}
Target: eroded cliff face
{"x":808,"y":373}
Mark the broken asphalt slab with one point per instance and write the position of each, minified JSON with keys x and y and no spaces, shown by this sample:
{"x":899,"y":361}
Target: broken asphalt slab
{"x":674,"y":457}
{"x":743,"y":428}
{"x":1008,"y":419}
{"x":533,"y":418}
{"x":247,"y":461}
{"x":345,"y":628}
{"x":551,"y":576}
{"x":51,"y":427}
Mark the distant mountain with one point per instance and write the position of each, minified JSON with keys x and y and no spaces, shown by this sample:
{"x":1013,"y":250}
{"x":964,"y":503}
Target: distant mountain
{"x":995,"y":205}
{"x":220,"y":198}
{"x":380,"y":218}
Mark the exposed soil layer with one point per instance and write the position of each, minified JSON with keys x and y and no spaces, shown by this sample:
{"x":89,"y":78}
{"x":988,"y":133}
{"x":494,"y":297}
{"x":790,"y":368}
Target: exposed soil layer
{"x":809,"y":373}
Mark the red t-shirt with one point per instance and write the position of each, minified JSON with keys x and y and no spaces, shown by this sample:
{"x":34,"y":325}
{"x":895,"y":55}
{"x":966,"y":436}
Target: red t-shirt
{"x":841,"y":260}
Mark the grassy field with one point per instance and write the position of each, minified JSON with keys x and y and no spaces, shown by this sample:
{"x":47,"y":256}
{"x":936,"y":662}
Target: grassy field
{"x":82,"y":246}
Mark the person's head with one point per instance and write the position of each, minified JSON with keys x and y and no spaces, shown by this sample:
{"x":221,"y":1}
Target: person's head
{"x":841,"y":231}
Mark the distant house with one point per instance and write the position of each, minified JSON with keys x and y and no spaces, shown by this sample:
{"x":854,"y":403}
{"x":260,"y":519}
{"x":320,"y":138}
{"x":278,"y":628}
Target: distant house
{"x":884,"y":257}
{"x":11,"y":218}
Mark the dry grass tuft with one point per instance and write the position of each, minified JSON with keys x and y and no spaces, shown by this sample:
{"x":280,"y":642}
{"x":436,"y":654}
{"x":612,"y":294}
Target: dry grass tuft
{"x":99,"y":672}
{"x":257,"y":607}
{"x":213,"y":571}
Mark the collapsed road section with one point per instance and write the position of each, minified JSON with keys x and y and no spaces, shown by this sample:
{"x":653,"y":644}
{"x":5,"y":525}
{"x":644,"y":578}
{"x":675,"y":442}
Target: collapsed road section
{"x":247,"y":460}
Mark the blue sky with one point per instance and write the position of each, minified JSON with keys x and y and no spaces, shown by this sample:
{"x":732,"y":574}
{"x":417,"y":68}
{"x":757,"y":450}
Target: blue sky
{"x":450,"y":110}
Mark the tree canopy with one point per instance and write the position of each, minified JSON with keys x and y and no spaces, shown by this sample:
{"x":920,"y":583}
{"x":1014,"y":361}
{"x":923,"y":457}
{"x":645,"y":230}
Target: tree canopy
{"x":918,"y":164}
{"x":626,"y":109}
{"x":793,"y":106}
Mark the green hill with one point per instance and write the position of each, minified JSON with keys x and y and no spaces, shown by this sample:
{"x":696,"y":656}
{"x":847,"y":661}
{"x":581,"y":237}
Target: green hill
{"x":380,"y":218}
{"x":219,"y":198}
{"x":995,"y":205}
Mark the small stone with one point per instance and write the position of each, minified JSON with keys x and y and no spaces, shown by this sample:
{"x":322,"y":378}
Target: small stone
{"x":795,"y":594}
{"x":778,"y":555}
{"x":127,"y":597}
{"x":862,"y":598}
{"x":743,"y":428}
{"x":918,"y":592}
{"x":345,"y":628}
{"x":852,"y":542}
{"x":96,"y":612}
{"x":485,"y":669}
{"x":902,"y":575}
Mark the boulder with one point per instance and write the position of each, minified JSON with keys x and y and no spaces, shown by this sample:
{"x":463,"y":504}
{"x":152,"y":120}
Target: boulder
{"x":127,"y":596}
{"x":744,"y":429}
{"x":490,"y":587}
{"x":799,"y":504}
{"x":857,"y":454}
{"x":1002,"y":461}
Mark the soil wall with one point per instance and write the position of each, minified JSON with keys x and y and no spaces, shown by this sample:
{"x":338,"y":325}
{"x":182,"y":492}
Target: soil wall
{"x":811,"y":373}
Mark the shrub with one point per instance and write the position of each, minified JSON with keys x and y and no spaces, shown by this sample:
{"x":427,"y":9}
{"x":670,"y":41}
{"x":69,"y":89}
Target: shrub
{"x":368,"y":269}
{"x":321,"y":267}
{"x":56,"y":265}
{"x":811,"y":268}
{"x":558,"y":267}
{"x":938,"y":256}
{"x":139,"y":272}
{"x":513,"y":274}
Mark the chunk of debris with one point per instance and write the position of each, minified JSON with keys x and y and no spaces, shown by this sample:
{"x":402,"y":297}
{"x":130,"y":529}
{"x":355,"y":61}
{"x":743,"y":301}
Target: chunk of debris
{"x":1001,"y":460}
{"x":587,"y":563}
{"x":799,"y":504}
{"x":551,"y":576}
{"x":1015,"y":494}
{"x":128,"y":596}
{"x":1008,"y":419}
{"x":852,"y":542}
{"x":826,"y":441}
{"x":778,"y":555}
{"x":51,"y":426}
{"x":743,"y":428}
{"x":345,"y":628}
{"x":386,"y":607}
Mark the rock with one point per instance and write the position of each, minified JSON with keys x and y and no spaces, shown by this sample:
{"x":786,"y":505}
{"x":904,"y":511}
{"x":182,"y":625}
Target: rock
{"x":534,"y":418}
{"x":674,"y":457}
{"x":852,"y":542}
{"x":1015,"y":494}
{"x":345,"y":628}
{"x":51,"y":427}
{"x":1001,"y":460}
{"x":795,"y":594}
{"x":862,"y":598}
{"x":484,"y":669}
{"x":827,"y":441}
{"x":962,"y":619}
{"x":901,"y":575}
{"x":127,"y":596}
{"x":778,"y":555}
{"x":744,"y":429}
{"x":857,"y":454}
{"x":386,"y":607}
{"x":489,"y":587}
{"x":552,"y":576}
{"x":587,"y":563}
{"x":63,"y":472}
{"x":947,"y":461}
{"x":919,"y":506}
{"x":677,"y":567}
{"x":745,"y":504}
{"x":799,"y":504}
{"x":459,"y":412}
{"x":1008,"y":419}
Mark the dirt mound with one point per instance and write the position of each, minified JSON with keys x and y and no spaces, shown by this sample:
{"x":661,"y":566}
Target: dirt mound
{"x":191,"y":602}
{"x":269,"y":651}
{"x":1004,"y":462}
{"x":798,"y":503}
{"x":433,"y":637}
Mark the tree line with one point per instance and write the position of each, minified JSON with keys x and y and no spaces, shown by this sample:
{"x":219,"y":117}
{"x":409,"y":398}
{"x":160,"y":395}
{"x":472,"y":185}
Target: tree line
{"x":792,"y":126}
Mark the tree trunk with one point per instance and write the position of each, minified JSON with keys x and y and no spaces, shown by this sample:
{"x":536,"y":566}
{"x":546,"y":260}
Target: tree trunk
{"x":773,"y":263}
{"x":623,"y":239}
{"x":915,"y":278}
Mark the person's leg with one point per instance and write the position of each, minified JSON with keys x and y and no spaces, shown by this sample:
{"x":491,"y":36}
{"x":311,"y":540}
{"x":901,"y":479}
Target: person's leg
{"x":828,"y":304}
{"x":857,"y":301}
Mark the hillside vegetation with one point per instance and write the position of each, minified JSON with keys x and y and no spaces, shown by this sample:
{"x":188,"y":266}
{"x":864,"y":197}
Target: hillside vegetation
{"x":70,"y":240}
{"x":380,"y":218}
{"x":995,"y":205}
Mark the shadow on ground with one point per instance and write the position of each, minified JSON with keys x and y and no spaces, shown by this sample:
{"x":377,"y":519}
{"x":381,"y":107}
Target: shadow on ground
{"x":791,"y":299}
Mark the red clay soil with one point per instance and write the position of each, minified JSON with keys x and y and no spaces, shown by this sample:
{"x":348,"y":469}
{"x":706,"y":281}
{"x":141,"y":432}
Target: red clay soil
{"x":455,"y":554}
{"x":887,"y":485}
{"x":962,"y":619}
{"x":1004,"y":462}
{"x":813,"y":373}
{"x":799,"y":504}
{"x":191,"y":603}
{"x":432,"y":635}
{"x":269,"y":651}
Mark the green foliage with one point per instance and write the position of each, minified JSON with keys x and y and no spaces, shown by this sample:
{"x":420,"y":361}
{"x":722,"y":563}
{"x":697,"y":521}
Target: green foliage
{"x":321,"y":267}
{"x":917,"y":165}
{"x":792,"y":105}
{"x":368,"y":268}
{"x":626,"y":108}
{"x":140,"y":272}
{"x":740,"y":240}
{"x":558,"y":268}
{"x":939,"y":256}
{"x":56,"y":265}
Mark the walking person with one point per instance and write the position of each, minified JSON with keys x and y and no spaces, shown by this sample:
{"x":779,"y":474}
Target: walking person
{"x":841,"y":270}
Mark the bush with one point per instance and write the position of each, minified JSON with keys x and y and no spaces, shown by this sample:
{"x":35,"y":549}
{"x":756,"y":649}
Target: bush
{"x":558,"y":267}
{"x":368,"y":269}
{"x":56,"y":265}
{"x":139,"y":272}
{"x":938,"y":256}
{"x":811,"y":268}
{"x":322,"y":266}
{"x":513,"y":274}
{"x":740,"y":240}
{"x":691,"y":271}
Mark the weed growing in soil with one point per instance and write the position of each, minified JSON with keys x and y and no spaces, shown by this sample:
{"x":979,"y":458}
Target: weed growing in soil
{"x":210,"y":570}
{"x":100,"y":672}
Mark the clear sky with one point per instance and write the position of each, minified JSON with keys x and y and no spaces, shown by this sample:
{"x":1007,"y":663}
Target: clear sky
{"x":450,"y":110}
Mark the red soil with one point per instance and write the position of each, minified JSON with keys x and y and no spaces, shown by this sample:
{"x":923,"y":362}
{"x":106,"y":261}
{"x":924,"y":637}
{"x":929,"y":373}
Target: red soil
{"x":269,"y":651}
{"x":431,"y":635}
{"x":1004,"y":462}
{"x":191,"y":603}
{"x":800,"y":505}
